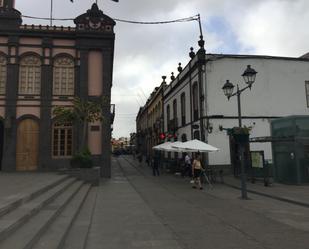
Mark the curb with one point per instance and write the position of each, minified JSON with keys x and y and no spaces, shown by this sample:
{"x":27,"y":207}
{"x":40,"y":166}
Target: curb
{"x":299,"y":203}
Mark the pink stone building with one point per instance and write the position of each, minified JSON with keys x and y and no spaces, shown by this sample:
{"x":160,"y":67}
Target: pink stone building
{"x":42,"y":67}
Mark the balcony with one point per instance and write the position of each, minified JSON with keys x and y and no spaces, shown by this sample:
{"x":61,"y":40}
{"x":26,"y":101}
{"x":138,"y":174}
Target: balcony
{"x":183,"y":120}
{"x":195,"y":115}
{"x":173,"y":125}
{"x":157,"y":125}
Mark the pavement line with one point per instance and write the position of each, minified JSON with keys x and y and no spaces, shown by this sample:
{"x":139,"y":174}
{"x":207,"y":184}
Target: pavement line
{"x":299,"y":203}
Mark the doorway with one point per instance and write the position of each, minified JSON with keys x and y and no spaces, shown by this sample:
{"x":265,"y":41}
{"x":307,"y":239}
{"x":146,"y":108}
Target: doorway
{"x":27,"y":145}
{"x":235,"y":158}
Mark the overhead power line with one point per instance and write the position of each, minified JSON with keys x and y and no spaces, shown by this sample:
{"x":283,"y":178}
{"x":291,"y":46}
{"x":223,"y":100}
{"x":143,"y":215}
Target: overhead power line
{"x":48,"y":18}
{"x":187,"y":19}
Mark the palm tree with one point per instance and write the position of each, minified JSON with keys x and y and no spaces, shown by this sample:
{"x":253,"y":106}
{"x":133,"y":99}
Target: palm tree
{"x":82,"y":112}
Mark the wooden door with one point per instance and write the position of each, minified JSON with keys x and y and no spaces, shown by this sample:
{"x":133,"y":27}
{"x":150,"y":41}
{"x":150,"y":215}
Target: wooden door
{"x":27,"y":145}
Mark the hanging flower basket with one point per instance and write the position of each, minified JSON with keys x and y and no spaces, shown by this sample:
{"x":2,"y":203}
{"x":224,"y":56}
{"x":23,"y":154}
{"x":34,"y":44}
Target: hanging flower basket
{"x":240,"y":134}
{"x":241,"y":138}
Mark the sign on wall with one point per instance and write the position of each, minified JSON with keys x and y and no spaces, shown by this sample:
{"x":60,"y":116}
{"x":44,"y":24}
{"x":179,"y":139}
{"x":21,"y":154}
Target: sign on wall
{"x":257,"y":159}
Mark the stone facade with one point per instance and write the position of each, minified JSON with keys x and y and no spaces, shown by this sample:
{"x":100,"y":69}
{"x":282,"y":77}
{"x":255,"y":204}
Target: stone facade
{"x":82,"y":54}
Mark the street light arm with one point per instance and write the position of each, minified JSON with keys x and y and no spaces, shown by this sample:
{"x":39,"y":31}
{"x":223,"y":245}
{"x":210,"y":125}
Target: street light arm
{"x":239,"y":91}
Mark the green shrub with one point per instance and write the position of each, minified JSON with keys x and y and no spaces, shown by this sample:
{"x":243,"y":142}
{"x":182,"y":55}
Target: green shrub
{"x":82,"y":159}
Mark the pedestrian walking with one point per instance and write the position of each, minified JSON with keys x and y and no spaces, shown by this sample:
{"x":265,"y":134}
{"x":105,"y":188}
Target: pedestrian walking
{"x":155,"y":165}
{"x":188,"y":168}
{"x":197,"y":171}
{"x":140,"y":158}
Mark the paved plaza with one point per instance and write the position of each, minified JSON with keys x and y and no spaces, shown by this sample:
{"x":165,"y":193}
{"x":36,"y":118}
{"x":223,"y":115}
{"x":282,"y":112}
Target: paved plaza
{"x":134,"y":210}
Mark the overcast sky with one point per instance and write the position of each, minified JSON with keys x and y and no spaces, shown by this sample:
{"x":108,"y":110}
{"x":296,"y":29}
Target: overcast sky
{"x":143,"y":53}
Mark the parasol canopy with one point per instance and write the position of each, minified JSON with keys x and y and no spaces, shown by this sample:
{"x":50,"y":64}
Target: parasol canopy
{"x":168,"y":146}
{"x":195,"y":146}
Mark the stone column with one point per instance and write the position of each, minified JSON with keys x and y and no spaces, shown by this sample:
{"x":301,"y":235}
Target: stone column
{"x":10,"y":124}
{"x":45,"y":148}
{"x":106,"y":124}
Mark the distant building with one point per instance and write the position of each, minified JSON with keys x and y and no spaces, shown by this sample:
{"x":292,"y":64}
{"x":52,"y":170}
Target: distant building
{"x":149,"y":122}
{"x":133,"y":139}
{"x":45,"y":66}
{"x":155,"y":118}
{"x":141,"y":131}
{"x":195,"y":106}
{"x":123,"y":144}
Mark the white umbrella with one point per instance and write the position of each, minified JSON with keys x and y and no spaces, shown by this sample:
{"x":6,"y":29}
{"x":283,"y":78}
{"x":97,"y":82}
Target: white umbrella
{"x":161,"y":146}
{"x":167,"y":146}
{"x":171,"y":146}
{"x":195,"y":146}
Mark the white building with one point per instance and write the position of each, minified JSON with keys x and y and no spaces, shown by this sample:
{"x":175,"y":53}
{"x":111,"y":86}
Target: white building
{"x":281,"y":89}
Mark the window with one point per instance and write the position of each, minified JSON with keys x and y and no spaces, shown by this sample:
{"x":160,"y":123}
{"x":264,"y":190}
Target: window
{"x":63,"y":76}
{"x":183,"y":109}
{"x":168,"y":116}
{"x":62,"y":140}
{"x":196,"y":135}
{"x":2,"y":74}
{"x":175,"y":108}
{"x":175,"y":120}
{"x":195,"y":102}
{"x":30,"y":75}
{"x":307,"y":92}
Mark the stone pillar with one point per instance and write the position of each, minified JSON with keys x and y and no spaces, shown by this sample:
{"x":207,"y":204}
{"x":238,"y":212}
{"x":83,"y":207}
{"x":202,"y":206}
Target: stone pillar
{"x":45,"y":148}
{"x":83,"y":75}
{"x":10,"y":124}
{"x":106,"y":124}
{"x":82,"y":92}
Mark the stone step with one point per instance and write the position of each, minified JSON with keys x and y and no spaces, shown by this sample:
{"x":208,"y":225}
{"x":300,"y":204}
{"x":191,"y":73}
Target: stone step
{"x":28,"y":234}
{"x":14,"y":219}
{"x":77,"y":236}
{"x":15,"y":201}
{"x":55,"y":235}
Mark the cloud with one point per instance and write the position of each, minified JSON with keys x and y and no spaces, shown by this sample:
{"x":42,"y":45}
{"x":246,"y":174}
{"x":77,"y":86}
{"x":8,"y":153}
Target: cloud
{"x":275,"y":28}
{"x":143,"y":53}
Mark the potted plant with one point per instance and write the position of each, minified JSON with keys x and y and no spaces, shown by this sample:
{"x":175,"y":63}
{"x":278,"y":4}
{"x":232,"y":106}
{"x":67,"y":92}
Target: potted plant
{"x":82,"y":159}
{"x":241,"y":134}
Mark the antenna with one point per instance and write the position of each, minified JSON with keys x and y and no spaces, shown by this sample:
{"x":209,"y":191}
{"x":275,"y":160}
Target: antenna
{"x":51,"y":12}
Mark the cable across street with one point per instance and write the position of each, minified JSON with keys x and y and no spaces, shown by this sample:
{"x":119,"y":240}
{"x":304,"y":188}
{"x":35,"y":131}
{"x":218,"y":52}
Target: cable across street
{"x":187,"y":19}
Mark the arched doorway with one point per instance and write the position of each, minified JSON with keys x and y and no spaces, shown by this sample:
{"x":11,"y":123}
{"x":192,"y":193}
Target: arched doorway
{"x":1,"y":141}
{"x":27,"y":145}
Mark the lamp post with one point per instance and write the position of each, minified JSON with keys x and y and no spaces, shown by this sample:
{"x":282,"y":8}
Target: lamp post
{"x":228,"y":89}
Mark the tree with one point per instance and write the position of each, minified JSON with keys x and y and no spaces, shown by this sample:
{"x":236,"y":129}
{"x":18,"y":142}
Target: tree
{"x":82,"y":112}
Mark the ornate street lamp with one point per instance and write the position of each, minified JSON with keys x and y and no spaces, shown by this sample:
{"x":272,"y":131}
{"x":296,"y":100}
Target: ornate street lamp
{"x":228,"y":90}
{"x":249,"y":76}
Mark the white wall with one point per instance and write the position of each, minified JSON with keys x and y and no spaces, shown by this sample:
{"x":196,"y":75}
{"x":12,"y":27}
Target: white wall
{"x":279,"y":90}
{"x":220,"y":139}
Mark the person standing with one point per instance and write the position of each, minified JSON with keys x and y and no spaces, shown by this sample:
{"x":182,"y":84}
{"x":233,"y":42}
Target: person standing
{"x":155,"y":165}
{"x":187,"y":168}
{"x":197,"y":171}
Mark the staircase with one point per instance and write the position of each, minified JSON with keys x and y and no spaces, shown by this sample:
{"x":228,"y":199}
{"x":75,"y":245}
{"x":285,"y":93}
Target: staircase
{"x":57,"y":215}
